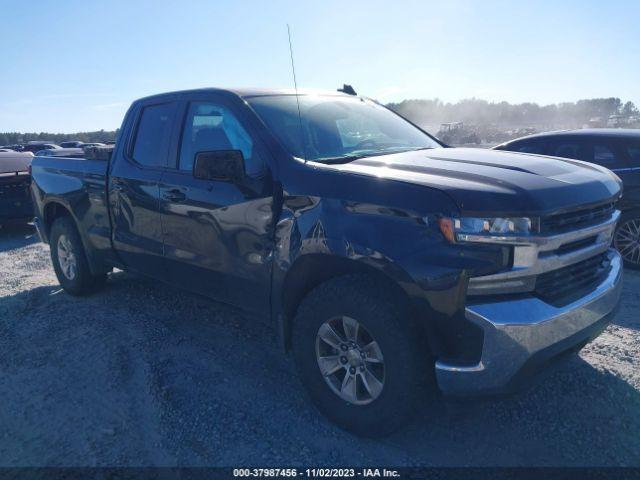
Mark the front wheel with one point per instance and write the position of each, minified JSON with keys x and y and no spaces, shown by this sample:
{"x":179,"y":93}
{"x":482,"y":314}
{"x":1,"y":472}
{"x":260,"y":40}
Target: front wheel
{"x":361,"y":358}
{"x":69,"y":259}
{"x":626,"y":239}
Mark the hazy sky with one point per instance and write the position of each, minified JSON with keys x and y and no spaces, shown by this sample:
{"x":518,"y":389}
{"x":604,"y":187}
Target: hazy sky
{"x":70,"y":65}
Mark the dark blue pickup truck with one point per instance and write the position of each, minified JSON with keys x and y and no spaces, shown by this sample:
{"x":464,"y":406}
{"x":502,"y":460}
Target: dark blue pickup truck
{"x":392,"y":267}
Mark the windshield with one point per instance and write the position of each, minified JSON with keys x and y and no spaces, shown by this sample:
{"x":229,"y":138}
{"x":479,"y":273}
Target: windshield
{"x":337,"y":128}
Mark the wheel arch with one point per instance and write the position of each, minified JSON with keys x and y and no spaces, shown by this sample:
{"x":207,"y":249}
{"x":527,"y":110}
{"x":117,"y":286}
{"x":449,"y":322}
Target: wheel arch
{"x":313,"y":269}
{"x":56,"y":209}
{"x":52,"y":211}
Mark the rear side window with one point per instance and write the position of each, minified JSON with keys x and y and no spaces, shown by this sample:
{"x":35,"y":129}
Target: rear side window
{"x":566,"y":149}
{"x":153,"y":135}
{"x":633,"y":152}
{"x":605,"y":155}
{"x":529,"y":147}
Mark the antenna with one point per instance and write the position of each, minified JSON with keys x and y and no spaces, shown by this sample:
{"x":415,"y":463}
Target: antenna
{"x":295,"y":85}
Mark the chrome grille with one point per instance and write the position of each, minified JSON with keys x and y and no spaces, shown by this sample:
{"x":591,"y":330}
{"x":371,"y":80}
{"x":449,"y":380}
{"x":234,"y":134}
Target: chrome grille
{"x":576,"y":278}
{"x":576,"y":219}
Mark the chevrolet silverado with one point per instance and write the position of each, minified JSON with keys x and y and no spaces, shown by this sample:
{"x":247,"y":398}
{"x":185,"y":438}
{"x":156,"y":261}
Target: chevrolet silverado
{"x":393,"y":268}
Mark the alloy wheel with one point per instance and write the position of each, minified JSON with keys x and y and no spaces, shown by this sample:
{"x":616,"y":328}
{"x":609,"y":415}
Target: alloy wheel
{"x":627,"y":240}
{"x":67,"y":258}
{"x":350,"y":360}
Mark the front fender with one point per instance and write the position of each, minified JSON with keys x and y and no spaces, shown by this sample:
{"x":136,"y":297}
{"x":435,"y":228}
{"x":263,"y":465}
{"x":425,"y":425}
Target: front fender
{"x":400,"y":243}
{"x":336,"y":237}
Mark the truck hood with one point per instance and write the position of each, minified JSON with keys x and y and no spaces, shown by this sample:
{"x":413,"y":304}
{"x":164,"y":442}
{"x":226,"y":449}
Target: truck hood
{"x":496,"y":182}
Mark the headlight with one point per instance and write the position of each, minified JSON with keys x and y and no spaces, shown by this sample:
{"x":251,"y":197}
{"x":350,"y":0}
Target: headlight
{"x":461,"y":228}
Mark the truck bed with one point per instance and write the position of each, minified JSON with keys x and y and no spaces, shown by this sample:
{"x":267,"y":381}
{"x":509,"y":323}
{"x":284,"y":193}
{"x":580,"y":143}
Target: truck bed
{"x":80,"y":185}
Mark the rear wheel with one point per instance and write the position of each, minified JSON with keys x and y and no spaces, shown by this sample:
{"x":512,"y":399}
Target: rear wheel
{"x":69,"y":259}
{"x":360,"y":357}
{"x":626,"y":239}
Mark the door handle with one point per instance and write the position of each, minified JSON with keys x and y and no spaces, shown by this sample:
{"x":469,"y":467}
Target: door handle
{"x":174,"y":195}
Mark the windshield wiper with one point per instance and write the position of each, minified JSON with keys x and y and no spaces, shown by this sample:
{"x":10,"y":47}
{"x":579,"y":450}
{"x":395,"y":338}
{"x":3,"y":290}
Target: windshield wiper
{"x":416,"y":149}
{"x":372,"y":153}
{"x":341,"y":159}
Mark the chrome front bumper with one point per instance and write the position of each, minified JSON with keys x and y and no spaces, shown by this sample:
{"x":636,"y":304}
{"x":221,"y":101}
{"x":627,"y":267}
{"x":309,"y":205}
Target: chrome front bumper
{"x":524,"y":331}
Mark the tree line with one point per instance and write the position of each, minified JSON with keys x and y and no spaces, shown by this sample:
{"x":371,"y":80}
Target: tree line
{"x":434,"y":112}
{"x":479,"y":112}
{"x":12,"y":138}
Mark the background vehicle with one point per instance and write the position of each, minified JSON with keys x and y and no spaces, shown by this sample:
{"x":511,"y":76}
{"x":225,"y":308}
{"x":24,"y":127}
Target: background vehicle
{"x":392,"y":268}
{"x":13,"y":148}
{"x":72,"y":144}
{"x":457,"y":133}
{"x":616,"y":149}
{"x":35,"y":147}
{"x":15,"y":199}
{"x":62,"y":152}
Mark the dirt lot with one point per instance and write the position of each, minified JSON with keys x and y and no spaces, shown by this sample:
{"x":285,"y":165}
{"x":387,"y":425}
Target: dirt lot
{"x":140,"y":374}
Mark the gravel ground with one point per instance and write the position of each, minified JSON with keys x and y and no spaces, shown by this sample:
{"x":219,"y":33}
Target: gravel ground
{"x":140,"y":374}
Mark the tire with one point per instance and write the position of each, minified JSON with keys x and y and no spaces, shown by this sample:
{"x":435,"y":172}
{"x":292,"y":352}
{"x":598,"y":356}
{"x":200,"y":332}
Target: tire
{"x":74,"y":274}
{"x":626,"y":238}
{"x":406,"y":374}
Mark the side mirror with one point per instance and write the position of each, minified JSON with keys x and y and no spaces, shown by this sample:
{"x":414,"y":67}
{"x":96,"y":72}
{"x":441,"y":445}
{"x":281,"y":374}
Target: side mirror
{"x":222,"y":165}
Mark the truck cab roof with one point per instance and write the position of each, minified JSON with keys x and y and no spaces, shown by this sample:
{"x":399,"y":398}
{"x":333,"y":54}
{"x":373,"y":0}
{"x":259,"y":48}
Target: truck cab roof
{"x":245,"y":92}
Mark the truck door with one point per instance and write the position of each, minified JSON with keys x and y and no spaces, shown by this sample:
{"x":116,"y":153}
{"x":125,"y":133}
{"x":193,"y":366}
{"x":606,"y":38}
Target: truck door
{"x":218,"y":233}
{"x":133,"y":188}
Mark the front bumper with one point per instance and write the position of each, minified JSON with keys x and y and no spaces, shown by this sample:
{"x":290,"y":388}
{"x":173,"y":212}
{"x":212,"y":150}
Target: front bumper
{"x":523,"y":334}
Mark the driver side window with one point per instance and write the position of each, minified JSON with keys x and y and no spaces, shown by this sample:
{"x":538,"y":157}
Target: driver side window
{"x":212,"y":127}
